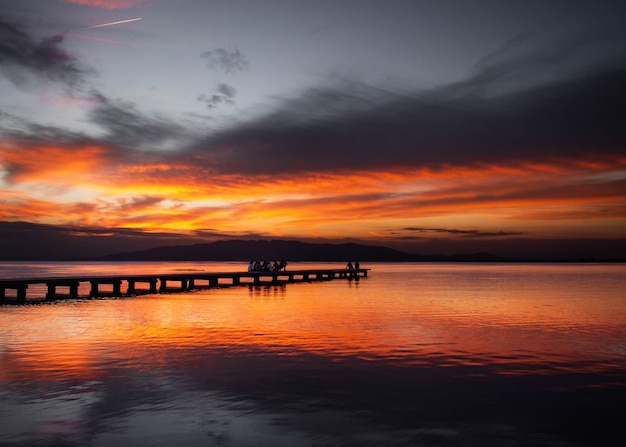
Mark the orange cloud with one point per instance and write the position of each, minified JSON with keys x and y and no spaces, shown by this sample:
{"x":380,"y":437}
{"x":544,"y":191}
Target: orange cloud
{"x":99,"y":186}
{"x":52,"y":164}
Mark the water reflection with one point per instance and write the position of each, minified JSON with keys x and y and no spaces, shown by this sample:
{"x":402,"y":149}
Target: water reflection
{"x":413,"y":355}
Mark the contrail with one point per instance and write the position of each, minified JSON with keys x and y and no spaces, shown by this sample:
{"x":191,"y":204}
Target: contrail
{"x":113,"y":23}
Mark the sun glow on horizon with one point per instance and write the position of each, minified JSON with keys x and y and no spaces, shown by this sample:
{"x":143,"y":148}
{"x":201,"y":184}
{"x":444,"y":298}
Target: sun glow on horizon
{"x":90,"y":185}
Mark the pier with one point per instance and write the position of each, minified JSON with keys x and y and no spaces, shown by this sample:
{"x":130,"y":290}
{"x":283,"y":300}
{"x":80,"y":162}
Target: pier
{"x":128,"y":285}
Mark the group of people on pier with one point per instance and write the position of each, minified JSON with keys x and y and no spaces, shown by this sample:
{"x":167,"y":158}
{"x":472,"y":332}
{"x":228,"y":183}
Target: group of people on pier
{"x":276,"y":266}
{"x":267,"y":266}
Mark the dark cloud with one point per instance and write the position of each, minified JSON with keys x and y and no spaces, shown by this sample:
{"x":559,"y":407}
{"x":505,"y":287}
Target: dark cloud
{"x":127,"y":127}
{"x":228,"y":61}
{"x":140,"y":202}
{"x":222,"y":94}
{"x":453,"y":231}
{"x":492,"y":116}
{"x":21,"y":55}
{"x":28,"y":132}
{"x":347,"y":127}
{"x":523,"y":61}
{"x":523,"y":102}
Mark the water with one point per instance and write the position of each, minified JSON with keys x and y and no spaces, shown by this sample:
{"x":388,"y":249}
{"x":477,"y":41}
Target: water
{"x":413,"y":355}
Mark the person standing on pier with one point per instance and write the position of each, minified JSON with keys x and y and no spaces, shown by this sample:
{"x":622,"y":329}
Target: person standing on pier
{"x":349,"y":266}
{"x":282,"y":265}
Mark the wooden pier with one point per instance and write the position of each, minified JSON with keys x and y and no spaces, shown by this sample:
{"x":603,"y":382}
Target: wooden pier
{"x":68,"y":287}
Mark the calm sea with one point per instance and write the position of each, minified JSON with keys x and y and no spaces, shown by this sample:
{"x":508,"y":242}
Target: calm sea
{"x":413,"y":355}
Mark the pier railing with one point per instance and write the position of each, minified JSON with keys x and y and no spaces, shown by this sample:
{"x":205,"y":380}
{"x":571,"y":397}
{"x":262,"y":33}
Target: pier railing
{"x":128,"y":285}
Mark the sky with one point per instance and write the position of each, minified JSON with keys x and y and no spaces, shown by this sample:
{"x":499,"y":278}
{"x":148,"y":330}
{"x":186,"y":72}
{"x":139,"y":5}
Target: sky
{"x":430,"y":126}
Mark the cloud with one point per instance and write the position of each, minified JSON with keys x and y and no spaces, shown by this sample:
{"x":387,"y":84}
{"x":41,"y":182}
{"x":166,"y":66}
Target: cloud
{"x":348,"y":126}
{"x":230,"y":62}
{"x":21,"y":56}
{"x":453,"y":231}
{"x":31,"y":133}
{"x":126,"y":127}
{"x":57,"y":164}
{"x":345,"y":128}
{"x":342,"y":158}
{"x":222,"y":94}
{"x":521,"y":103}
{"x":523,"y":61}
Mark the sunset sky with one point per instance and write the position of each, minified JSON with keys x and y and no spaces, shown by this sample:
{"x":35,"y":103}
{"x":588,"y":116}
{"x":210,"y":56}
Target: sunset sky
{"x":424,"y":125}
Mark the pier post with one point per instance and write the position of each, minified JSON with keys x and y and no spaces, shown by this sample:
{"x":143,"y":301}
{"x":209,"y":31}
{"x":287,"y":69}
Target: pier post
{"x":20,"y":291}
{"x":183,"y":283}
{"x":132,"y":289}
{"x":95,"y":283}
{"x":52,"y":287}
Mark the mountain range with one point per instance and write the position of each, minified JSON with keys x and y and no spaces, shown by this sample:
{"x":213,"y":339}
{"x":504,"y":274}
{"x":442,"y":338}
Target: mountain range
{"x":247,"y":250}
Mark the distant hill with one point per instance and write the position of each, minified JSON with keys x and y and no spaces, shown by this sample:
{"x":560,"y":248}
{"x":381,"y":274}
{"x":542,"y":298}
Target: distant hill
{"x":246,"y":250}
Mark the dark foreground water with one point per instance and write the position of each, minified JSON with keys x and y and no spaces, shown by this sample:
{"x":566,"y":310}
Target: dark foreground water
{"x":414,"y":355}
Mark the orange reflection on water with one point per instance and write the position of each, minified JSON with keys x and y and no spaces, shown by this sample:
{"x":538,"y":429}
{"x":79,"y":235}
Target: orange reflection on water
{"x":512,"y":319}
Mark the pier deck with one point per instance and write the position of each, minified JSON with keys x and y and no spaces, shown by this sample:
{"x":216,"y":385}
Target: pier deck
{"x":69,"y":287}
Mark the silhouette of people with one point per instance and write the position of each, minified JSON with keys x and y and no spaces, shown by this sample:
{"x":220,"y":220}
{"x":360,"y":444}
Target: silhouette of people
{"x":349,"y":266}
{"x":357,"y":265}
{"x":265,"y":265}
